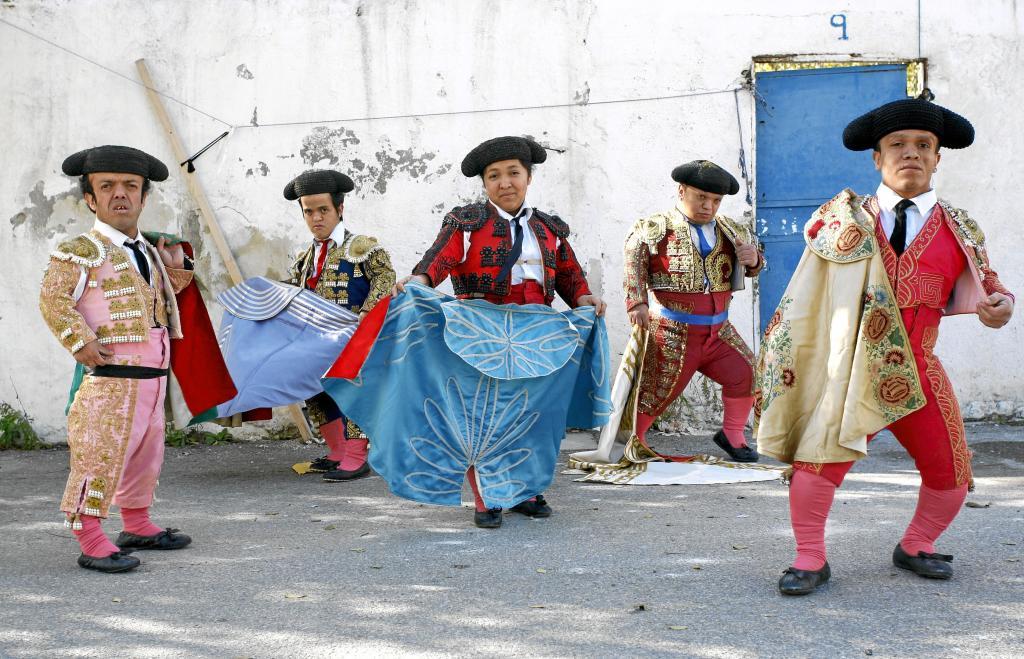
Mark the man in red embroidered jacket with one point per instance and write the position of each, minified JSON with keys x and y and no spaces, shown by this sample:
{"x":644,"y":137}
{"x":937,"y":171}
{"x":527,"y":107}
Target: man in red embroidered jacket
{"x":693,"y":259}
{"x":935,"y":264}
{"x":505,"y":252}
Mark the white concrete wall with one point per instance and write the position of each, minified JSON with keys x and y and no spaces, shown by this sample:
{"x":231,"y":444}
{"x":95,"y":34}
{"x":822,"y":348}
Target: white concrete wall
{"x":278,"y":61}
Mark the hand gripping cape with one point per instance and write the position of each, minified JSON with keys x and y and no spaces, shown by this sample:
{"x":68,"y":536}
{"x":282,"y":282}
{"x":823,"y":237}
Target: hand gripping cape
{"x":278,"y":340}
{"x":451,"y":384}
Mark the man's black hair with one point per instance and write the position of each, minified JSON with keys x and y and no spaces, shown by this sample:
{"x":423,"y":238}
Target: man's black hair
{"x":337,"y":198}
{"x":528,"y":166}
{"x":878,"y":146}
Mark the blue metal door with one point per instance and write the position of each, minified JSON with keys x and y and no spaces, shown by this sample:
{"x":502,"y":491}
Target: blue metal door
{"x":801,"y":161}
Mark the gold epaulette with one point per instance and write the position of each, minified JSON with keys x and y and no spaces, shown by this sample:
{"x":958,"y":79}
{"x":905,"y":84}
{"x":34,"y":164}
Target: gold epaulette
{"x":650,"y":230}
{"x":735,"y":230}
{"x":968,"y":229}
{"x":357,"y":249}
{"x":85,"y":250}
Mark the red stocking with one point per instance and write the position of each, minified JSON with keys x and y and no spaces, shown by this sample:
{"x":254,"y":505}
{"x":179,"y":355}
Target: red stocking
{"x":643,"y":424}
{"x":471,"y":475}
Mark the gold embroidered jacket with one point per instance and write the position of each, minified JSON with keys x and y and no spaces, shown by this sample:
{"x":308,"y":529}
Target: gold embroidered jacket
{"x":356,"y":274}
{"x":127,"y":307}
{"x":660,"y":255}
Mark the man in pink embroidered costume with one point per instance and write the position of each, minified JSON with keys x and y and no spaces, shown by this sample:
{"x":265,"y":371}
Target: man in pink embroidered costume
{"x":109,"y":297}
{"x":506,"y":252}
{"x":352,"y":271}
{"x":693,"y":259}
{"x":894,"y":264}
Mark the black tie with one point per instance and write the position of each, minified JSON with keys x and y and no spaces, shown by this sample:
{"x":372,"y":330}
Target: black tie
{"x":140,"y":258}
{"x":898,"y":239}
{"x":517,"y":248}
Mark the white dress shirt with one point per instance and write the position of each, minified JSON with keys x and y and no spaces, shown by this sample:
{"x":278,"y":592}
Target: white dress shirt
{"x":531,"y":248}
{"x":709,"y":233}
{"x":338,"y":236}
{"x":707,"y":229}
{"x":118,"y":238}
{"x":917,"y":214}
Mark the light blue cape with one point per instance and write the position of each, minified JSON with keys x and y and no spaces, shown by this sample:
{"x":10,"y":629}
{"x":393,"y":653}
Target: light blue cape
{"x":452,"y":384}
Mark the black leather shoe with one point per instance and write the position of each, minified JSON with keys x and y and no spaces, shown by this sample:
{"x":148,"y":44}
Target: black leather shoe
{"x":932,"y":566}
{"x":538,"y":508}
{"x":323,"y":465}
{"x":119,"y":561}
{"x":488,"y":519}
{"x":803,"y":582}
{"x":342,"y":475}
{"x":741,"y":454}
{"x":166,"y":539}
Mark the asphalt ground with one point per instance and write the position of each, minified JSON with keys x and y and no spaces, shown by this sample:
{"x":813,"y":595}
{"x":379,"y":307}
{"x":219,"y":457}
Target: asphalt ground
{"x":289,"y":566}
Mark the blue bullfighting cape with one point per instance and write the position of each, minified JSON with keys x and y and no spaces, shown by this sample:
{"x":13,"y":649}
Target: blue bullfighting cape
{"x":278,"y":341}
{"x":450,"y":384}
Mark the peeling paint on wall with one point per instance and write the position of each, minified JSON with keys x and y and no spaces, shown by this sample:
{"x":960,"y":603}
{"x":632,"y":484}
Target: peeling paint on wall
{"x":265,"y":255}
{"x":49,"y":216}
{"x":324,"y":144}
{"x":331,"y":145}
{"x":261,"y":168}
{"x":582,"y":97}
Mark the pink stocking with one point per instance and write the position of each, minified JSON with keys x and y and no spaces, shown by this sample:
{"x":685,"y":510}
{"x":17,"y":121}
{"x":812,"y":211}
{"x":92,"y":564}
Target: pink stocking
{"x":355,"y":454}
{"x":92,"y":539}
{"x":136,"y":520}
{"x":810,"y":499}
{"x":735,"y":417}
{"x":935,"y":511}
{"x":333,"y":433}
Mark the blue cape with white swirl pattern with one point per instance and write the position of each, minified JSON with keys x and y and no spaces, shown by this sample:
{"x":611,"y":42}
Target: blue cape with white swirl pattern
{"x":451,"y":384}
{"x":278,"y":340}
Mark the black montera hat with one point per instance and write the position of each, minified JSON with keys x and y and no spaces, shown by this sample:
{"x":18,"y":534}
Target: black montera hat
{"x":502,"y":148}
{"x":119,"y":159}
{"x":953,"y":131}
{"x":707,"y":176}
{"x":318,"y":181}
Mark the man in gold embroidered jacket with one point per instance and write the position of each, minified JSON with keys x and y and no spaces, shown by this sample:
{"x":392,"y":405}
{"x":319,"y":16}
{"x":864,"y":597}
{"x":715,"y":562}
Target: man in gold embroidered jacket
{"x":109,"y":297}
{"x":693,"y":259}
{"x":354,"y":272}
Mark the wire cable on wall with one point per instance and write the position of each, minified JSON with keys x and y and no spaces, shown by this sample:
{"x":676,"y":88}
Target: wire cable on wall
{"x":411,"y":115}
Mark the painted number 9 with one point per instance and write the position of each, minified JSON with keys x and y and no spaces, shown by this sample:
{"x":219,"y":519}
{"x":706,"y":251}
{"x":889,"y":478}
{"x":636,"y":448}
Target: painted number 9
{"x":839,"y":20}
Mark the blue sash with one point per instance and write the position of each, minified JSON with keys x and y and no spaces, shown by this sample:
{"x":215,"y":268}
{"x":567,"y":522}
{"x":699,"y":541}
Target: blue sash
{"x":693,"y":318}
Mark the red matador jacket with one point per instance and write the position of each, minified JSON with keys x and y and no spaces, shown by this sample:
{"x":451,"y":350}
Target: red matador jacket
{"x":835,"y":363}
{"x":474,"y":241}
